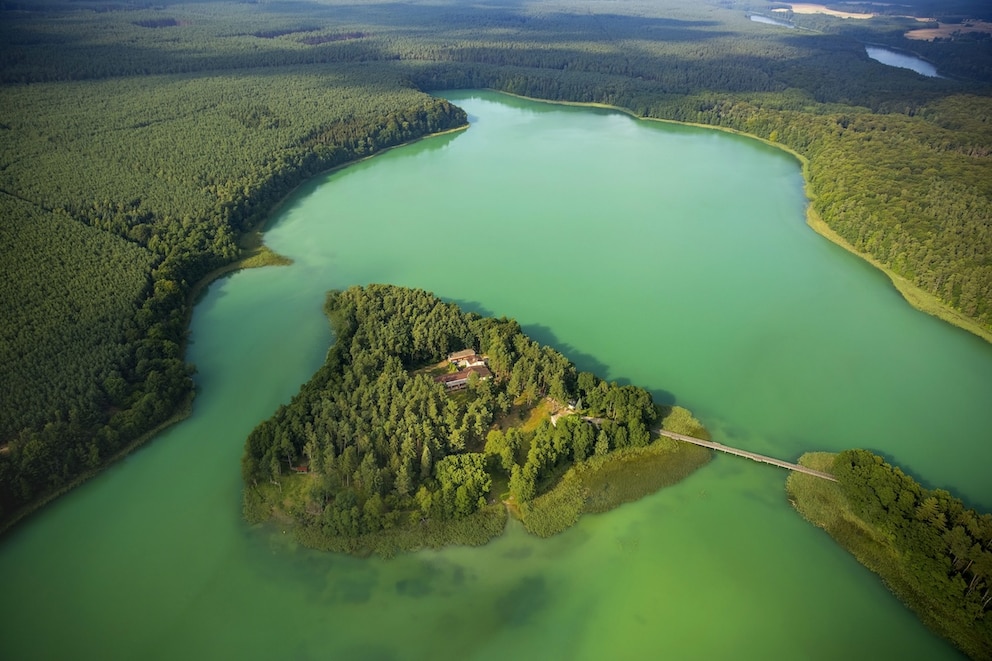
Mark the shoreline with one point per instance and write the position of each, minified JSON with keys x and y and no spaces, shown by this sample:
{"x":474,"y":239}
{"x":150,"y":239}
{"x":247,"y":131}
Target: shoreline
{"x":184,"y":411}
{"x":258,"y":255}
{"x":586,"y":488}
{"x":252,"y":243}
{"x":255,"y":255}
{"x":827,"y":506}
{"x":916,"y":297}
{"x":262,"y":226}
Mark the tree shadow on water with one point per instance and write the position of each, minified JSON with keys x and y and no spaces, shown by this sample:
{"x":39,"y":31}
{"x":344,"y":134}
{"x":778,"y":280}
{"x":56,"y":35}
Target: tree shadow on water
{"x":472,"y":306}
{"x":981,"y":504}
{"x":584,"y":362}
{"x":662,"y":397}
{"x":435,"y":142}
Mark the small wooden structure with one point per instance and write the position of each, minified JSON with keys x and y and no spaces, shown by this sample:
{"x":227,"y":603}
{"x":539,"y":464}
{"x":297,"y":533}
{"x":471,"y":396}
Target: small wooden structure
{"x":466,"y":358}
{"x":460,"y":355}
{"x":459,"y":380}
{"x":754,"y":456}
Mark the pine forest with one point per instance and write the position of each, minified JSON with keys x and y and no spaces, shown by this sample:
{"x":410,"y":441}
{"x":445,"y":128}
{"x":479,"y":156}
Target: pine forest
{"x":142,"y":148}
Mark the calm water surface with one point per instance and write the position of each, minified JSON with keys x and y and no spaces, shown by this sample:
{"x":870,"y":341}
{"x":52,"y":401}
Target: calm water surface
{"x":667,"y":256}
{"x":902,"y":60}
{"x":767,"y":20}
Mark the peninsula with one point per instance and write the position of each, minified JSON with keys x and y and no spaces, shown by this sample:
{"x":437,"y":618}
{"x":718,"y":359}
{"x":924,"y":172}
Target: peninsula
{"x":144,"y":147}
{"x":931,"y":551}
{"x":427,"y":425}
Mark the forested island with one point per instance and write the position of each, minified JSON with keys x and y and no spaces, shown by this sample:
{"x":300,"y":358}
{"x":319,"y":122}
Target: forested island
{"x":934,"y":553}
{"x":144,"y":147}
{"x":425,"y":425}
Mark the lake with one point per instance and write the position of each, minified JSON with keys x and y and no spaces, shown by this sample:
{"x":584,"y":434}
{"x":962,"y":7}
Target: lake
{"x":672,"y":257}
{"x":902,"y":60}
{"x":758,"y":18}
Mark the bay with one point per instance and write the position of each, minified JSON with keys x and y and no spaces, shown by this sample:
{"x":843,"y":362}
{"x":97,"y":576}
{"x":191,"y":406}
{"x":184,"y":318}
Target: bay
{"x":672,"y":257}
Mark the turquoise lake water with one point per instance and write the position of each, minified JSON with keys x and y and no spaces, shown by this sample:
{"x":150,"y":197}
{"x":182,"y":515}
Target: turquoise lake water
{"x":671,"y":257}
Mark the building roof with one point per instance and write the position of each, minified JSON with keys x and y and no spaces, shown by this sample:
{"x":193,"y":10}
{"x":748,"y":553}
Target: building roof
{"x":481,"y":370}
{"x":459,"y":355}
{"x":464,"y":374}
{"x":445,"y":378}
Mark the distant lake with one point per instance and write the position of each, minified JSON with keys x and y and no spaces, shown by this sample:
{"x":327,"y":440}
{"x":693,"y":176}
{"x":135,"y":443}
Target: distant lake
{"x":757,"y":18}
{"x":902,"y":60}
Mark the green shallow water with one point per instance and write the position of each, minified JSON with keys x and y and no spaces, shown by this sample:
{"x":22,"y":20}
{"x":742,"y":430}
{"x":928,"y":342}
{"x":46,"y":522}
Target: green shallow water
{"x":671,"y":257}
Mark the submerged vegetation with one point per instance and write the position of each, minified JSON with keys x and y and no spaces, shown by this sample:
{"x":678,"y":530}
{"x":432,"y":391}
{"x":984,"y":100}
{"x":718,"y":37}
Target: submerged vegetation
{"x":932,"y":552}
{"x":141,"y":145}
{"x":601,"y":483}
{"x":386,"y":449}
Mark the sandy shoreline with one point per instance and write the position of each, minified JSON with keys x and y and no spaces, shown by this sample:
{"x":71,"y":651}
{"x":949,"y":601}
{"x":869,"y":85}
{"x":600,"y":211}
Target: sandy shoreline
{"x":808,"y":8}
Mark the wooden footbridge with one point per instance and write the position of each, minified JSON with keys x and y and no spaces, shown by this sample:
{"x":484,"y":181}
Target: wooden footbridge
{"x":744,"y":453}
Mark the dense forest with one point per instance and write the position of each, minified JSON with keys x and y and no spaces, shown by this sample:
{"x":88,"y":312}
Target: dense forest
{"x":159,"y":137}
{"x":94,"y":339}
{"x":374,"y":443}
{"x":934,"y":553}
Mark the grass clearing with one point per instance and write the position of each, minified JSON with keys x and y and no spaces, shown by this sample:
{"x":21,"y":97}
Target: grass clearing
{"x":535,"y":414}
{"x":949,"y":30}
